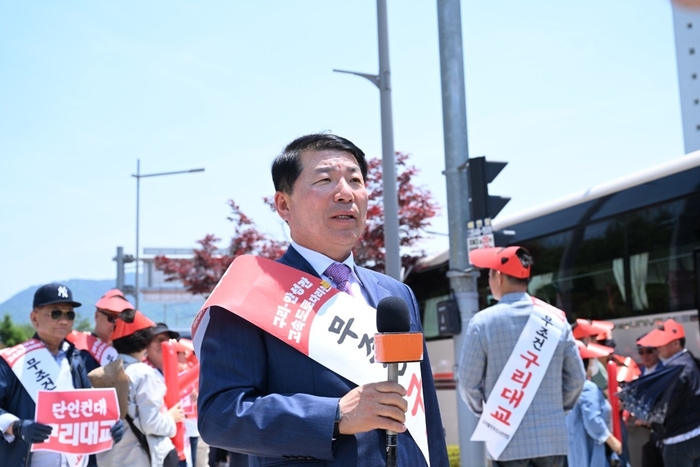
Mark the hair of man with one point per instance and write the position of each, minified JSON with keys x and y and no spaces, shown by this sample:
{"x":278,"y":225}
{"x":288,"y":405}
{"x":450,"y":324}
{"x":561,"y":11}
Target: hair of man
{"x":286,"y":167}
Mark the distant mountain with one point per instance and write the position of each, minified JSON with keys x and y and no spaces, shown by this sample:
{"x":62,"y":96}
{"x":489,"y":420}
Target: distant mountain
{"x":87,"y":292}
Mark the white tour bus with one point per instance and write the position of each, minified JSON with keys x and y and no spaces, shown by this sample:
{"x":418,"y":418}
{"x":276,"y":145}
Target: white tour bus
{"x":627,"y":251}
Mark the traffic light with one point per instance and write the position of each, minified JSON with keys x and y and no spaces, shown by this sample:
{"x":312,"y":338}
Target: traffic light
{"x":121,"y":260}
{"x":482,"y":172}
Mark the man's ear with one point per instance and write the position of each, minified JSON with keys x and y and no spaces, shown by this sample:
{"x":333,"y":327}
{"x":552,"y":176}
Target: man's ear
{"x":498,"y":277}
{"x":33,"y":318}
{"x":282,"y":205}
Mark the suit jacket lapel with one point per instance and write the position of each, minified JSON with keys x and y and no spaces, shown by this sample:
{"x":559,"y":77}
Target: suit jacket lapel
{"x":375,"y":290}
{"x":294,"y":259}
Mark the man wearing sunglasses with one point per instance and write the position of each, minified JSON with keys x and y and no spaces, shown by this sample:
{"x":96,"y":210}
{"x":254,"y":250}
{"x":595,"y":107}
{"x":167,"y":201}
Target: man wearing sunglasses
{"x":52,"y":316}
{"x":96,"y":347}
{"x":650,"y":359}
{"x":680,"y":431}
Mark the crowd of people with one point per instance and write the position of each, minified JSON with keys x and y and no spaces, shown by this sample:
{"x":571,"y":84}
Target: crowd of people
{"x":266,"y":396}
{"x":121,"y":334}
{"x":563,"y":415}
{"x":260,"y":398}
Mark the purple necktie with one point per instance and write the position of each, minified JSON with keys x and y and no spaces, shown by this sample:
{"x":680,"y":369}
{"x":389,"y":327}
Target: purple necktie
{"x":339,"y":274}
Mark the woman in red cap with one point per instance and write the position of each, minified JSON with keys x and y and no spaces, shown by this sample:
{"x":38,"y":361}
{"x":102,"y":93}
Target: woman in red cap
{"x":146,"y":442}
{"x":588,"y":423}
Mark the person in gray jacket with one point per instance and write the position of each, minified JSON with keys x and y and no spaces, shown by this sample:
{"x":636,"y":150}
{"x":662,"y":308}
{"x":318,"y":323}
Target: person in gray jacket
{"x":493,"y":334}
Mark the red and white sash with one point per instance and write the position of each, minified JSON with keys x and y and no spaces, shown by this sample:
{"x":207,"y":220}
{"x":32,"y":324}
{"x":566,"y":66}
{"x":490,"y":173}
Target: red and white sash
{"x":329,"y":326}
{"x":37,"y":370}
{"x":520,"y":378}
{"x":100,"y":351}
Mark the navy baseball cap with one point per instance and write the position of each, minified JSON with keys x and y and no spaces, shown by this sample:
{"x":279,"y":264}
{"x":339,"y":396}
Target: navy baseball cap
{"x":54,"y":293}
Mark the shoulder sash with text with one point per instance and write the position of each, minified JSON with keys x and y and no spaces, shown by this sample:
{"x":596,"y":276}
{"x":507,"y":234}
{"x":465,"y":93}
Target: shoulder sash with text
{"x":100,"y":351}
{"x":329,"y":326}
{"x":37,"y":370}
{"x":520,"y":378}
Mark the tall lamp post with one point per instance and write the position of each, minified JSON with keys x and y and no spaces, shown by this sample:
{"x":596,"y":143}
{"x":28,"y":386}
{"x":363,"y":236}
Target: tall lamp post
{"x":138,"y":176}
{"x":392,"y":258}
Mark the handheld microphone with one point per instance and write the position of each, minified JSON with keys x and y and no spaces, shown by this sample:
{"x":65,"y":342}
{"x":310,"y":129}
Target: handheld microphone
{"x":394,"y":344}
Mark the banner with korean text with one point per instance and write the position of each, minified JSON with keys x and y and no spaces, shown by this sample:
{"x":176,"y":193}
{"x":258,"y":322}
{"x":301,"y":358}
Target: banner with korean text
{"x":520,"y":378}
{"x":101,"y":352}
{"x":307,"y":313}
{"x":81,"y":420}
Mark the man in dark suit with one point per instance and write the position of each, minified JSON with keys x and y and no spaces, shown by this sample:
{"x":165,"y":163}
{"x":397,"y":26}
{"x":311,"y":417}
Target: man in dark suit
{"x":261,"y":397}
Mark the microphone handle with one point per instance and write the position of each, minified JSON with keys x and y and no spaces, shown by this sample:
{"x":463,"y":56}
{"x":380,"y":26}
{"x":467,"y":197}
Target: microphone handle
{"x":391,"y":436}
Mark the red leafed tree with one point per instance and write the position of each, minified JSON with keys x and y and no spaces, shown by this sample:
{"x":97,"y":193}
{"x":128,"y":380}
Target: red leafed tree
{"x":416,"y":207}
{"x":200,"y":274}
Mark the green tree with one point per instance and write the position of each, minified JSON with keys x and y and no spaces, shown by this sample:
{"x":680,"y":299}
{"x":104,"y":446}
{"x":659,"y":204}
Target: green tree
{"x":10,"y":333}
{"x":83,"y":324}
{"x":27,"y":329}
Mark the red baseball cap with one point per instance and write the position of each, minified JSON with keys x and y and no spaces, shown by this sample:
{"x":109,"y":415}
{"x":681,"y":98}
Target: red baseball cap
{"x":669,"y":331}
{"x":593,"y":350}
{"x":503,"y":260}
{"x":586,"y":328}
{"x":114,"y":301}
{"x":123,"y":329}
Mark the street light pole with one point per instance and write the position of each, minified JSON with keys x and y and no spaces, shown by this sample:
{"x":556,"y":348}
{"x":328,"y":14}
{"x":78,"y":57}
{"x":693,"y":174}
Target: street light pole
{"x":138,"y":176}
{"x":463,"y":278}
{"x":392,"y":257}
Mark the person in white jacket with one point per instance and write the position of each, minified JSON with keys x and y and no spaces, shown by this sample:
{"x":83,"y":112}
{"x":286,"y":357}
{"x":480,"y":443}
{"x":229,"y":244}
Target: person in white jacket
{"x":146,"y":413}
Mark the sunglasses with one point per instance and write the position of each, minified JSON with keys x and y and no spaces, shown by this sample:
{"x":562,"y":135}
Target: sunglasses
{"x":645,"y":351}
{"x":57,"y":314}
{"x":112,"y":319}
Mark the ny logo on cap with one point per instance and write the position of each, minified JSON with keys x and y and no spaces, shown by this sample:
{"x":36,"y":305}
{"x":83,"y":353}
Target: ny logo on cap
{"x":63,"y":291}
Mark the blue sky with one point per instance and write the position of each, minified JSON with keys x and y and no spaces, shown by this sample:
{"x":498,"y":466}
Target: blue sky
{"x":571,"y":94}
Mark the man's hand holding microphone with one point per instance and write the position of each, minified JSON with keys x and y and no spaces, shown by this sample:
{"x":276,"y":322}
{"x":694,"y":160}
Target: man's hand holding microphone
{"x":382,"y":405}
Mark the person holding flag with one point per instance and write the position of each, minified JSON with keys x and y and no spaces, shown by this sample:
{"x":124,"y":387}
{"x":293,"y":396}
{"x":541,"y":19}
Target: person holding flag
{"x":680,"y":430}
{"x":262,"y":396}
{"x":150,"y":425}
{"x":651,"y":450}
{"x":519,"y":370}
{"x":154,"y":357}
{"x":47,"y":361}
{"x":589,"y":422}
